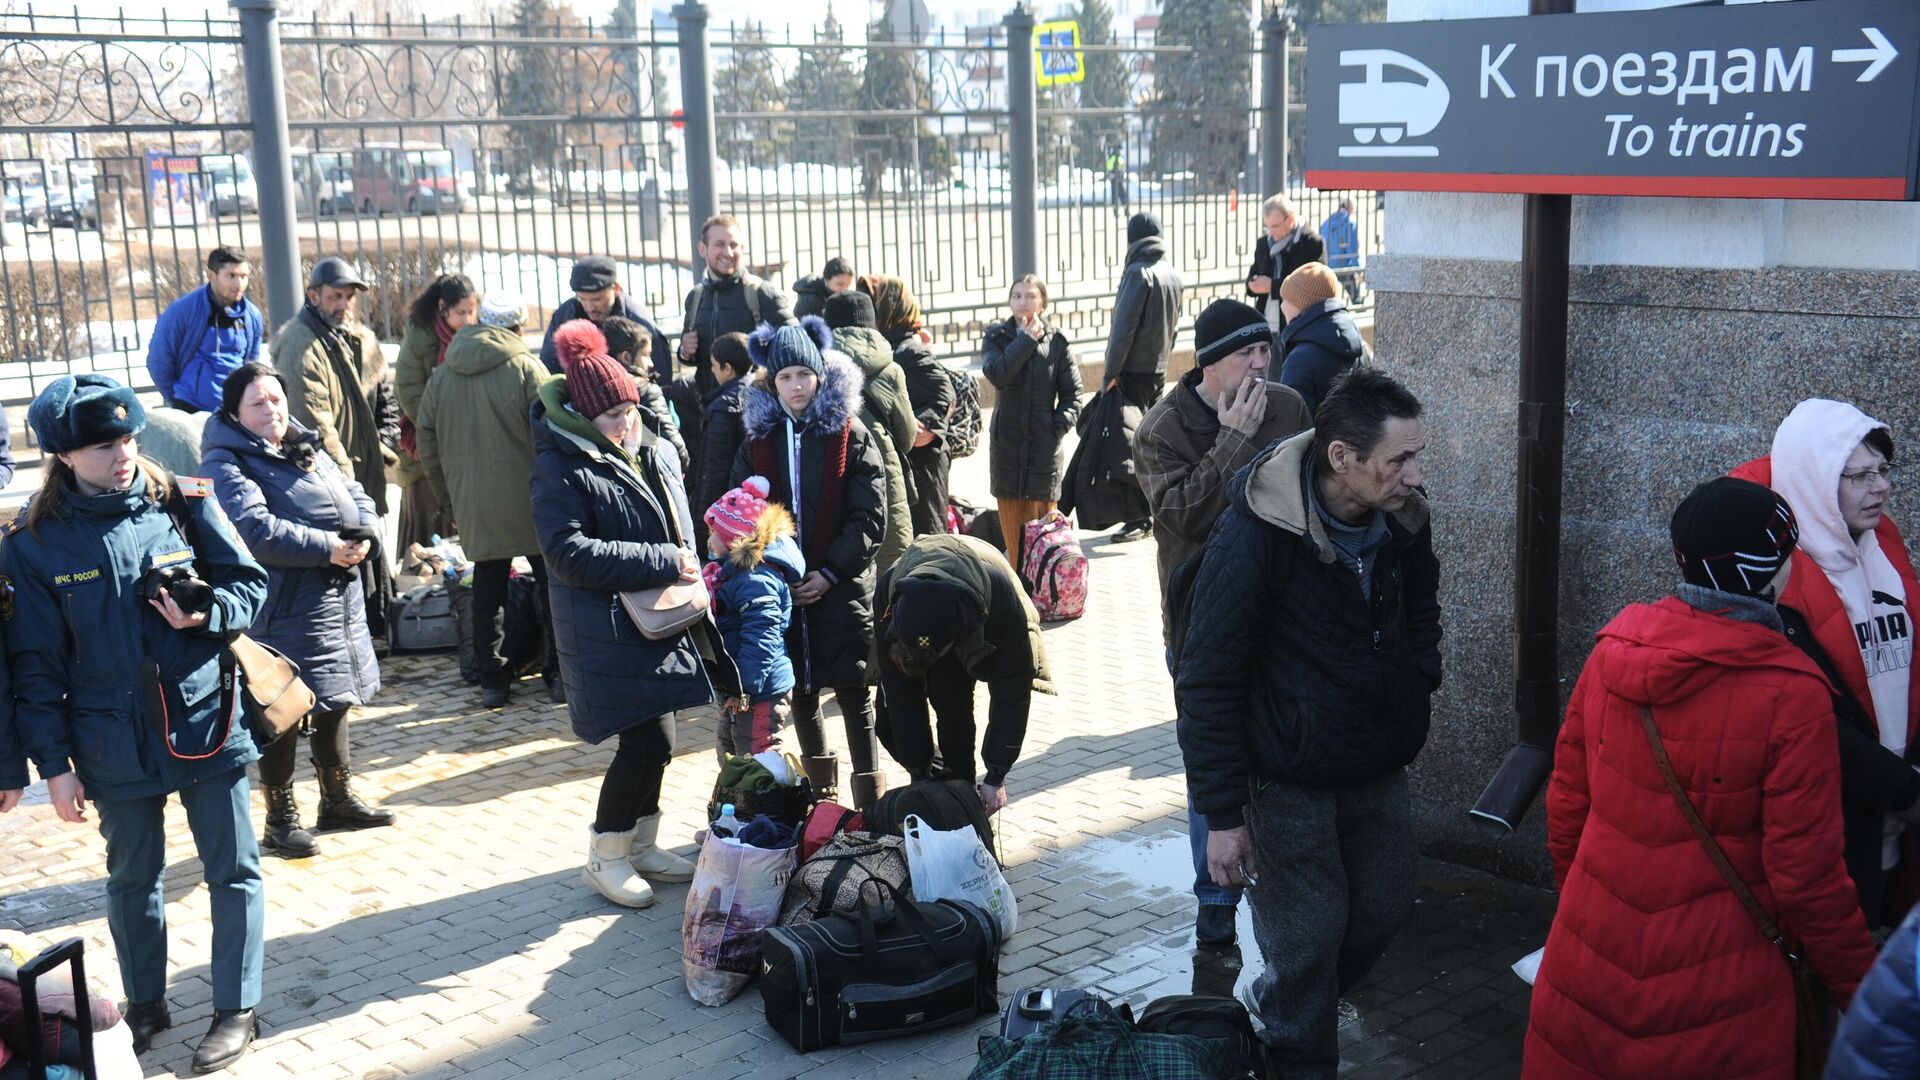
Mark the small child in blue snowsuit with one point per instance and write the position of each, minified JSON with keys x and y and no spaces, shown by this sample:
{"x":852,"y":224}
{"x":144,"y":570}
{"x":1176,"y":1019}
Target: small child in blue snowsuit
{"x":755,"y":566}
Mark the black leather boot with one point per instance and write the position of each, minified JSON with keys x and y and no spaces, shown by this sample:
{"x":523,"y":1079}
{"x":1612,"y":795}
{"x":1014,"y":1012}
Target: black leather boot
{"x":145,"y":1020}
{"x":1213,"y":926}
{"x":233,"y":1030}
{"x":340,"y":808}
{"x":284,"y":836}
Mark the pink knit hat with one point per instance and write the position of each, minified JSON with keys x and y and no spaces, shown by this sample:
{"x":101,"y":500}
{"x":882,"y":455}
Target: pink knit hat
{"x":737,"y":513}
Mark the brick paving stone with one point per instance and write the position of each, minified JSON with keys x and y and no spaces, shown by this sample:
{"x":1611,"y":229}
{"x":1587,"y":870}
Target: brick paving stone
{"x":460,"y":943}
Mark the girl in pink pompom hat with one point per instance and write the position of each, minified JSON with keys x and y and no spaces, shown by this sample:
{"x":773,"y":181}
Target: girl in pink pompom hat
{"x":755,"y":566}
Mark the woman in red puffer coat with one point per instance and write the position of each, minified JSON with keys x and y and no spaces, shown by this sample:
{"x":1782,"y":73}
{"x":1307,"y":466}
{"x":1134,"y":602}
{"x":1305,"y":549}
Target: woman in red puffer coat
{"x":1653,"y":968}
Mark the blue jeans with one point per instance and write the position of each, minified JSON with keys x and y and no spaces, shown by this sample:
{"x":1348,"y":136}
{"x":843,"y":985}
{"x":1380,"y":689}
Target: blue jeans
{"x":1204,"y":888}
{"x":135,"y":831}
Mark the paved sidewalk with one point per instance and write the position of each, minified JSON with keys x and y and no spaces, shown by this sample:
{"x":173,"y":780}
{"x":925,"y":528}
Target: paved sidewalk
{"x":462,"y":943}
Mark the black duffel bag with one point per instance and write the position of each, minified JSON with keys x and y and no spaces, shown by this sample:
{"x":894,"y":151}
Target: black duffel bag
{"x":1222,"y":1018}
{"x":942,"y":804}
{"x":853,"y":980}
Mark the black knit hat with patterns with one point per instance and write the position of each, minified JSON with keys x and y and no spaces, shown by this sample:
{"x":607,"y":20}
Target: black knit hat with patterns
{"x":1226,"y":327}
{"x":1733,"y":536}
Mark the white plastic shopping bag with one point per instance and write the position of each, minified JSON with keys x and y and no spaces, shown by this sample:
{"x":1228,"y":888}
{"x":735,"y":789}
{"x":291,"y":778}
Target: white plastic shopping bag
{"x":736,"y":894}
{"x":1528,"y":966}
{"x":955,"y":865}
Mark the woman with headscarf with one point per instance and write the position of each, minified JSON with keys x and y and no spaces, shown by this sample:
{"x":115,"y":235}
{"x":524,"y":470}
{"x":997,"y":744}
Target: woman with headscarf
{"x":437,"y":314}
{"x":1849,"y":607}
{"x":929,"y":390}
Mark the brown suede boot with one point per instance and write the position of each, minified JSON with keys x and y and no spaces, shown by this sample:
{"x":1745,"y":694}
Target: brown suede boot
{"x":823,"y":773}
{"x":867,"y":788}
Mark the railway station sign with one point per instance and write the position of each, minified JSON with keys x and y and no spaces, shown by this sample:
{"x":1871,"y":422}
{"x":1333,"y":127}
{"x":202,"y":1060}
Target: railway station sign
{"x":1810,"y":100}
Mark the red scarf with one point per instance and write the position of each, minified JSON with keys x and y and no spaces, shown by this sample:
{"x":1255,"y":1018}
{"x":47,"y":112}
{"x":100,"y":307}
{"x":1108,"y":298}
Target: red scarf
{"x":408,"y":440}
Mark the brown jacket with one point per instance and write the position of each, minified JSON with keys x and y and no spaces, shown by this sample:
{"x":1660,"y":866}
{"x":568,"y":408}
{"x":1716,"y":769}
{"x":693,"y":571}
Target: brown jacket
{"x":1184,"y":459}
{"x":338,"y":398}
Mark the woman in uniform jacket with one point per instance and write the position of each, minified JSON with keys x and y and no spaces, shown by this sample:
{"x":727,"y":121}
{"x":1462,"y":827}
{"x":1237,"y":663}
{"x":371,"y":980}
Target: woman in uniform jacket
{"x":1850,"y":608}
{"x":805,"y":436}
{"x":125,"y":586}
{"x":1037,"y":397}
{"x":1654,"y":965}
{"x":307,"y":522}
{"x":611,"y":513}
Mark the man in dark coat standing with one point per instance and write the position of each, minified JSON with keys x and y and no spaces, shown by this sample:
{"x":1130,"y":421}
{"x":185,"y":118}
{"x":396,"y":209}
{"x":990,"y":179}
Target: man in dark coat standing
{"x":1310,"y":653}
{"x":1192,"y":442}
{"x":727,"y":300}
{"x":597,"y":295}
{"x":1146,"y":315}
{"x":1287,"y":245}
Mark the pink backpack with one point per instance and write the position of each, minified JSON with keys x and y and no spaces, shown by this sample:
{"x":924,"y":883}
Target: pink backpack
{"x":1054,"y":568}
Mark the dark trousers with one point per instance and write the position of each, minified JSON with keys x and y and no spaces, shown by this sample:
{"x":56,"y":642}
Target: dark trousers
{"x":929,"y":467}
{"x":1337,"y":878}
{"x":489,"y":621}
{"x":224,"y":838}
{"x":937,"y":741}
{"x":856,"y":712}
{"x":328,"y":747}
{"x":631,"y":790}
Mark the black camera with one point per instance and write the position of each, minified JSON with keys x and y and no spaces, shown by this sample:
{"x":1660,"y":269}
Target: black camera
{"x":189,"y":592}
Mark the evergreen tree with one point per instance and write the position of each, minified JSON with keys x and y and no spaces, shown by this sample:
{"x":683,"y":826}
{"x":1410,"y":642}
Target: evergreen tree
{"x":1205,"y":97}
{"x":531,"y":87}
{"x":893,"y":82}
{"x":1104,"y":88}
{"x":749,"y":82}
{"x":825,"y":81}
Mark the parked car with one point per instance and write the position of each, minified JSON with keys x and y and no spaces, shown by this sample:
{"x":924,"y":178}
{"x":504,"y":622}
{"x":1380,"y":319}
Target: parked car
{"x":26,"y":205}
{"x":76,"y":210}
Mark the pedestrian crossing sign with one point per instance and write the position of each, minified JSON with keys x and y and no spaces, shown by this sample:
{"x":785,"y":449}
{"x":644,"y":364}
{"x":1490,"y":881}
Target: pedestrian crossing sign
{"x":1057,"y":45}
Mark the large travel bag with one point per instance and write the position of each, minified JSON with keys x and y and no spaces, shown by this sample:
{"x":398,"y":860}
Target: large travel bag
{"x":422,"y":620}
{"x":942,"y":804}
{"x":1222,"y":1018}
{"x":1027,"y":1010}
{"x":853,"y":980}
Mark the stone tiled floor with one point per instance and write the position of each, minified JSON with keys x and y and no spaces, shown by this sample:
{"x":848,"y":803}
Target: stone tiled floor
{"x":461,"y":943}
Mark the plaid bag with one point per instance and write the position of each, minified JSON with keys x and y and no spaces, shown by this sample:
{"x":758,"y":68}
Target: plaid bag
{"x":1091,"y":1047}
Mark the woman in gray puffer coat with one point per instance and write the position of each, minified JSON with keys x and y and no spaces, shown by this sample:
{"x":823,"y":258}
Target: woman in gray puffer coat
{"x":1036,"y":398}
{"x":310,"y":525}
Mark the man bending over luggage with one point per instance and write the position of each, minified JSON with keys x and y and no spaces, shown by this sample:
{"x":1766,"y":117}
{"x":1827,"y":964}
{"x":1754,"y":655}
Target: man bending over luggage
{"x":952,"y":613}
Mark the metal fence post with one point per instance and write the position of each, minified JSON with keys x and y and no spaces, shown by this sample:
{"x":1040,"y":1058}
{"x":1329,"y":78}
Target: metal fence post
{"x":1274,"y":32}
{"x":272,"y":159}
{"x":696,"y":103}
{"x":1024,"y":153}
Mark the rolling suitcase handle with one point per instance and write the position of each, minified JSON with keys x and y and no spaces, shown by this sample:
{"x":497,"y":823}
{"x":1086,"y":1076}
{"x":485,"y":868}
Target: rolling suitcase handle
{"x":68,"y":951}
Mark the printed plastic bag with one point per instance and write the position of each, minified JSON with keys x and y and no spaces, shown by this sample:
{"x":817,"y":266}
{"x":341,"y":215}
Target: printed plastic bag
{"x":735,"y":896}
{"x":957,"y":866}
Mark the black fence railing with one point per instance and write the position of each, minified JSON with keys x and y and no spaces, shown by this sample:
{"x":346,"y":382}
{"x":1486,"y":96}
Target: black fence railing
{"x":506,"y":151}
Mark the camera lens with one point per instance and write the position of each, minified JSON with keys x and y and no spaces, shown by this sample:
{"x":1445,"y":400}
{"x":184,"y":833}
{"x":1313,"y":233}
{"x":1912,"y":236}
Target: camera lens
{"x":192,"y":594}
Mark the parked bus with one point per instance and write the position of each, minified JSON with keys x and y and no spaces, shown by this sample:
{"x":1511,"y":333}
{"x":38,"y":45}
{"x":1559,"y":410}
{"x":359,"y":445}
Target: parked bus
{"x":411,"y":178}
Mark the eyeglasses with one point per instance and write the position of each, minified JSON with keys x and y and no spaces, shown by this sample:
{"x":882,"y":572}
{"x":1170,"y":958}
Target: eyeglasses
{"x":1866,"y":477}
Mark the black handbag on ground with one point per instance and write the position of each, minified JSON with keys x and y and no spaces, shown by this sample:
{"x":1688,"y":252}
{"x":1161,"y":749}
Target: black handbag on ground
{"x":853,"y":980}
{"x":1222,"y":1018}
{"x":942,"y":804}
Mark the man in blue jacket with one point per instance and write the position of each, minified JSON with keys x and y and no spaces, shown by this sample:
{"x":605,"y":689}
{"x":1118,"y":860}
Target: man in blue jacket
{"x":1342,"y":237}
{"x":205,"y":334}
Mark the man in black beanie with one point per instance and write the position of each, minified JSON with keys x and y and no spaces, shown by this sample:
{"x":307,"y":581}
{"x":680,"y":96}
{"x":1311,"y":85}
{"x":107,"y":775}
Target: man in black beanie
{"x":1146,"y":315}
{"x":1217,"y":418}
{"x":597,"y":296}
{"x":952,"y":613}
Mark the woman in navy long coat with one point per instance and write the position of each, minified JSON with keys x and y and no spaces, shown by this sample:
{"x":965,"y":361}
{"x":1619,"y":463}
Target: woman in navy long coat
{"x":308,"y":523}
{"x":610,"y":509}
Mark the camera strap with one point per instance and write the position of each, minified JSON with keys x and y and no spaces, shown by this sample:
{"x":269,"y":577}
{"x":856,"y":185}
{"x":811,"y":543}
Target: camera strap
{"x":161,"y":716}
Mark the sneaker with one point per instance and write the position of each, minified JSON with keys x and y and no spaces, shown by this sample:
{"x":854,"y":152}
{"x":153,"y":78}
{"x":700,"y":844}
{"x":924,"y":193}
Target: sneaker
{"x":1133,"y":530}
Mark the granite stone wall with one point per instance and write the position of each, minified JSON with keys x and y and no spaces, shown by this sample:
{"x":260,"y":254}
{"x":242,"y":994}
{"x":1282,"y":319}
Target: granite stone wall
{"x":1674,"y":376}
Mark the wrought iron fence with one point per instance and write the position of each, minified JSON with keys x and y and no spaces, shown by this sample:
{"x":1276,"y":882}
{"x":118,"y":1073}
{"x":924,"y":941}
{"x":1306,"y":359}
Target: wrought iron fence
{"x":506,"y":151}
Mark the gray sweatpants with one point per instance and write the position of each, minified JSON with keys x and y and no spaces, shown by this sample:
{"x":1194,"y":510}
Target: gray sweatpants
{"x":1337,"y":877}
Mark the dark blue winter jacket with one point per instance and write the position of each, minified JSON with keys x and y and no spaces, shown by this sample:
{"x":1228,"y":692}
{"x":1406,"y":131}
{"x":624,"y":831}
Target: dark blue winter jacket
{"x":79,"y":637}
{"x":754,"y":607}
{"x":720,"y":438}
{"x":13,"y":757}
{"x":605,"y":530}
{"x":1880,"y":1037}
{"x":190,"y":359}
{"x":289,"y":503}
{"x":1317,"y":348}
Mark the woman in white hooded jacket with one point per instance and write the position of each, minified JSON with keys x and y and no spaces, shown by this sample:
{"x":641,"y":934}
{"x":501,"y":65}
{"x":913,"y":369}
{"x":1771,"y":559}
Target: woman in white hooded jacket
{"x":1848,"y":605}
